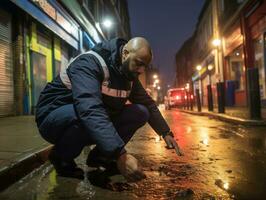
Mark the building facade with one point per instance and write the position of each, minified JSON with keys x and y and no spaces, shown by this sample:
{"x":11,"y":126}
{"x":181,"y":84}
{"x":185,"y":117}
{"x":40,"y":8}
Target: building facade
{"x":39,"y":37}
{"x":183,"y":63}
{"x":243,"y":28}
{"x":239,"y":26}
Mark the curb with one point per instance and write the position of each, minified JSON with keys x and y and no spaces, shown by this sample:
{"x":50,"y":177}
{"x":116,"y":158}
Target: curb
{"x":15,"y":171}
{"x":226,"y":118}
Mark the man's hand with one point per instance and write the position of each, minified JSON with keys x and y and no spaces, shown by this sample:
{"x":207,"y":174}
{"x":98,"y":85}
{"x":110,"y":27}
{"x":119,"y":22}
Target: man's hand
{"x":128,"y":167}
{"x":172,"y":144}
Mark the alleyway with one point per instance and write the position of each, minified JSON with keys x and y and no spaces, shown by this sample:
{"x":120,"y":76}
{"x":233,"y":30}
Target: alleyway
{"x":222,"y":161}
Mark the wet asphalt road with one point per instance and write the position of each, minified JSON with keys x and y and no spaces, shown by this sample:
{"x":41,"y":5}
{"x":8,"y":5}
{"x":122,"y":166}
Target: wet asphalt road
{"x":221,"y":161}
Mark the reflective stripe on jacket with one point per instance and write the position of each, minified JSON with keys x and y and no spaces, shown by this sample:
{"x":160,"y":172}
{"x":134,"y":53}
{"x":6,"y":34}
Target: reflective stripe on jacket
{"x":105,"y":89}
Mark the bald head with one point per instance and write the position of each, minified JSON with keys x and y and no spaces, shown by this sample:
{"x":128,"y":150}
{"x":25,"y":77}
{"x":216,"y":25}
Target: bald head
{"x":136,"y":57}
{"x":138,"y":44}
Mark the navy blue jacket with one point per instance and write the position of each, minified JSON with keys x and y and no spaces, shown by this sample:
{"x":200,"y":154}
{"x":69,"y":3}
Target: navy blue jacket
{"x":91,"y":106}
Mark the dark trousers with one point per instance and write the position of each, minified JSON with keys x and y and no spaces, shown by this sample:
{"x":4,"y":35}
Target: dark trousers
{"x":62,"y":128}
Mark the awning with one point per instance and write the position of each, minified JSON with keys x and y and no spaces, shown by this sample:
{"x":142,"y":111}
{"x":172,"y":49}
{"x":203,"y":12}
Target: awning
{"x":44,"y":19}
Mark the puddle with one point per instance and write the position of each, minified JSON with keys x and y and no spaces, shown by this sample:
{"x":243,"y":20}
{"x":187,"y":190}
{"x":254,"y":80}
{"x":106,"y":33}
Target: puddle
{"x":84,"y":188}
{"x":221,"y":184}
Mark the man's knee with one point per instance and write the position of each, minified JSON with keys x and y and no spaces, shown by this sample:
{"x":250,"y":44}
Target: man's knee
{"x":142,"y":112}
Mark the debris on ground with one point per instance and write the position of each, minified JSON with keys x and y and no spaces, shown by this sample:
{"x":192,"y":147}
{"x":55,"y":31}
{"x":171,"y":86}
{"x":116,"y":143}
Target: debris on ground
{"x":184,"y":193}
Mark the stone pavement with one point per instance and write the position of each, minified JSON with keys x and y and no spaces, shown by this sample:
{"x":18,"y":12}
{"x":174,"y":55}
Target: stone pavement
{"x":21,"y":148}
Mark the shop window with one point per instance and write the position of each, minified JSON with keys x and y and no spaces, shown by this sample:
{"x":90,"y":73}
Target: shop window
{"x":236,"y":68}
{"x":39,"y":78}
{"x":259,"y":63}
{"x":43,"y":39}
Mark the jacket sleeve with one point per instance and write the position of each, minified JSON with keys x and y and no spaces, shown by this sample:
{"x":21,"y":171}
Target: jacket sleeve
{"x":139,"y":95}
{"x":86,"y":76}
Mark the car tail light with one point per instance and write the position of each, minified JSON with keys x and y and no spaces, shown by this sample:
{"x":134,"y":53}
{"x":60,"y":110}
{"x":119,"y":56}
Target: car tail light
{"x":177,"y":97}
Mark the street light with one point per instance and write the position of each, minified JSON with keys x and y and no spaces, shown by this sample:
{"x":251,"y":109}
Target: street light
{"x":210,"y":67}
{"x":216,"y":42}
{"x":187,"y":96}
{"x":155,"y":76}
{"x":107,"y":23}
{"x":199,"y":67}
{"x":156,"y":81}
{"x":158,"y":87}
{"x":187,"y":86}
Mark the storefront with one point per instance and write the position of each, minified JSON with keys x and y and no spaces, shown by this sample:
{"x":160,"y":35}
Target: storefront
{"x":234,"y":69}
{"x":235,"y":82}
{"x":205,"y":77}
{"x":36,"y":41}
{"x":47,"y":56}
{"x":256,"y":23}
{"x":40,"y":61}
{"x":52,"y":37}
{"x":259,"y":49}
{"x":6,"y":66}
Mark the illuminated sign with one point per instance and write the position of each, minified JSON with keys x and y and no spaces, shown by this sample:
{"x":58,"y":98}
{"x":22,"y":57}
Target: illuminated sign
{"x":56,"y":16}
{"x":46,"y":7}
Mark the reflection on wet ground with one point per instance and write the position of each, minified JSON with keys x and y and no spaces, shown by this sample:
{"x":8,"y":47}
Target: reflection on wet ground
{"x":221,"y":161}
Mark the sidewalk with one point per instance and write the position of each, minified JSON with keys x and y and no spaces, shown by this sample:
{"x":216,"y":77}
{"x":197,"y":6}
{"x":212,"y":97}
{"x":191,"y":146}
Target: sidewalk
{"x":237,"y":115}
{"x":21,"y":148}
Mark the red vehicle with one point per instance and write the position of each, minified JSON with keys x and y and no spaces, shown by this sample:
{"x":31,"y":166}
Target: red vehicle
{"x":176,"y":97}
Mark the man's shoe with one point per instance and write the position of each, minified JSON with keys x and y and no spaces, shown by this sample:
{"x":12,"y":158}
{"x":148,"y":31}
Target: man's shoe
{"x":95,"y":159}
{"x":65,"y":168}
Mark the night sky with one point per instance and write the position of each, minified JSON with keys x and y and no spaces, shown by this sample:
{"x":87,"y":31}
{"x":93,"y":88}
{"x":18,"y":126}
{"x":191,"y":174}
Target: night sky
{"x":166,"y":24}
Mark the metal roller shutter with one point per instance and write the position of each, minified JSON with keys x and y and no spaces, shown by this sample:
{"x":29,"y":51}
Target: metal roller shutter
{"x":6,"y":67}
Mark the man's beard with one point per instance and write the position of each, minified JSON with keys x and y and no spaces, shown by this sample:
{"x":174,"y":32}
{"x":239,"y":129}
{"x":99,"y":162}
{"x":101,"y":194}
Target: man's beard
{"x":128,"y":74}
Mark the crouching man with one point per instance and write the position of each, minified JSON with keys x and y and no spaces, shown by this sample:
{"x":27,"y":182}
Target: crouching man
{"x":86,"y":104}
